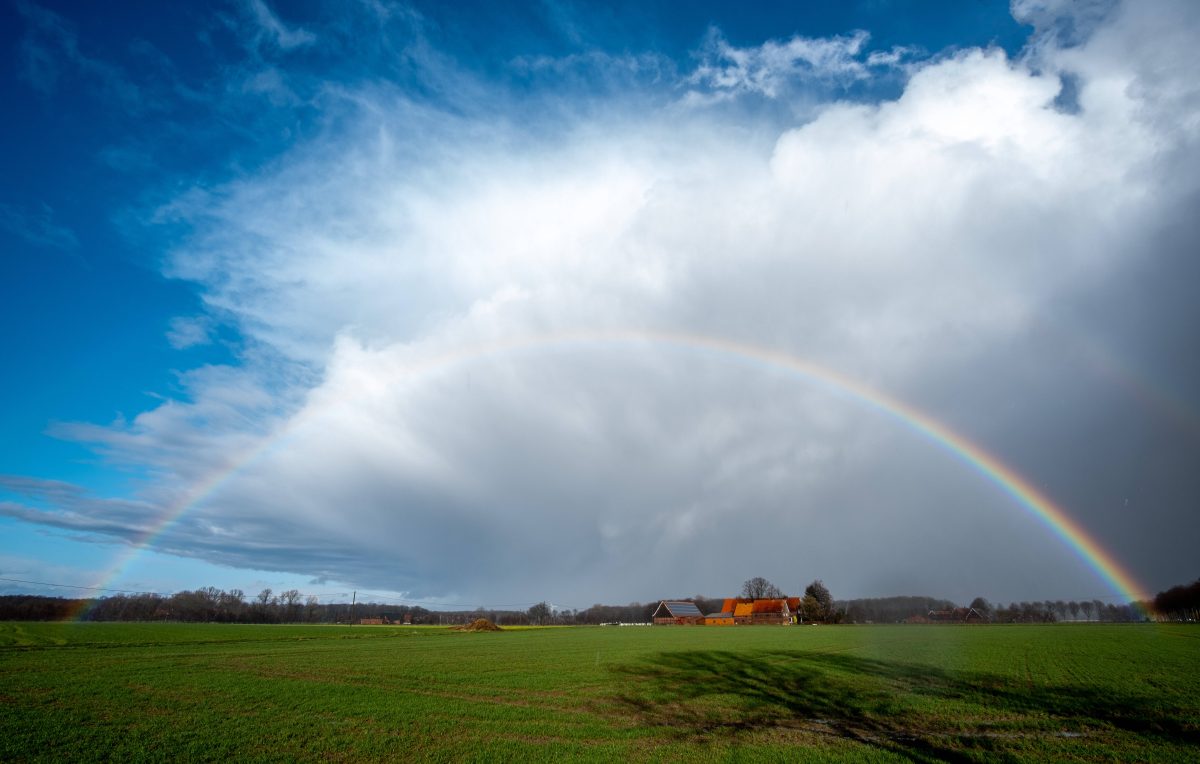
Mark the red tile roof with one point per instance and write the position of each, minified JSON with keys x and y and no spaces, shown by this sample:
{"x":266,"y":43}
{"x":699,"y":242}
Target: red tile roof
{"x":769,"y":606}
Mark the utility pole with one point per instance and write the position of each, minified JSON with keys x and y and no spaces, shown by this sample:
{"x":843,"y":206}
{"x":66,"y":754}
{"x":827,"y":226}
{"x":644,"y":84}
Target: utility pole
{"x":353,"y":601}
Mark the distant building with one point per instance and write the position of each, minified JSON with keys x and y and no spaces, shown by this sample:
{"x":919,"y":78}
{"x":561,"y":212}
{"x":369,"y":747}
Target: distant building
{"x":739,"y":611}
{"x":747,"y":612}
{"x":957,"y":615}
{"x":677,"y":613}
{"x":794,"y":606}
{"x":771,"y":612}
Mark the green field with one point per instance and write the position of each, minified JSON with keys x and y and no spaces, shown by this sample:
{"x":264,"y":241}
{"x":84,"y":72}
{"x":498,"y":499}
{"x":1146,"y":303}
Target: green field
{"x":74,"y":692}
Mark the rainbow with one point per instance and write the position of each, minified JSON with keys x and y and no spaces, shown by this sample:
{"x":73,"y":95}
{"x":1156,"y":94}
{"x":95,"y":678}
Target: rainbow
{"x":1026,"y":495}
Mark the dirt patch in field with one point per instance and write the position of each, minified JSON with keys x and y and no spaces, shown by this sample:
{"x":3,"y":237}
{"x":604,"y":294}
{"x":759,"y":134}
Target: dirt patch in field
{"x":479,"y":624}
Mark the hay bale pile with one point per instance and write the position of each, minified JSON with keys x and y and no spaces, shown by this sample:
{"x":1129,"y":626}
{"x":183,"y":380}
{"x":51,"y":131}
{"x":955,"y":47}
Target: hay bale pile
{"x":479,"y":624}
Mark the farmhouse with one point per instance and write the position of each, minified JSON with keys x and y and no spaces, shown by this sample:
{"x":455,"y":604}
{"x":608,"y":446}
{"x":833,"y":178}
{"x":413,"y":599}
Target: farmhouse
{"x":739,"y":611}
{"x":678,"y":613}
{"x":774,"y":612}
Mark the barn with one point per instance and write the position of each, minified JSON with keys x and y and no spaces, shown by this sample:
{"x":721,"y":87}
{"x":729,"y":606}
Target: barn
{"x":678,"y":613}
{"x":743,"y":612}
{"x":774,"y":612}
{"x":719,"y":619}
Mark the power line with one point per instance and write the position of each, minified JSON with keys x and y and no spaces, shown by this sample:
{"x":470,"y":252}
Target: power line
{"x":71,"y":586}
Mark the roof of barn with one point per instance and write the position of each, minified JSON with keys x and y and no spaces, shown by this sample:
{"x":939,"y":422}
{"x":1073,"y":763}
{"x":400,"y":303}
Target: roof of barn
{"x":682,"y":609}
{"x":770,"y":606}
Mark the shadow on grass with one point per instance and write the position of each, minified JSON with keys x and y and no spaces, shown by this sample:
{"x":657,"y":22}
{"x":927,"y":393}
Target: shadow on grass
{"x":919,"y":712}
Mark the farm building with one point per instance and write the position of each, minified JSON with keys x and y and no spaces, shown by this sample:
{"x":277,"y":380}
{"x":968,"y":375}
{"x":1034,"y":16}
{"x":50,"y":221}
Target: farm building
{"x":762,"y":611}
{"x":743,"y":612}
{"x":740,"y":611}
{"x":678,"y":613}
{"x":773,"y":612}
{"x":957,"y":615}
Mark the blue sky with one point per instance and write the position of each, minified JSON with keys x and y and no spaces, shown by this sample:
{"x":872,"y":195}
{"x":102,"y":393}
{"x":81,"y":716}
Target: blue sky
{"x":90,"y":160}
{"x":226,"y":227}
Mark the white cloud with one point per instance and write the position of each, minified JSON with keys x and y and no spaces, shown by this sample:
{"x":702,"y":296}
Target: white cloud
{"x":1062,"y":23}
{"x":189,"y":331}
{"x":898,"y":56}
{"x":767,"y":68}
{"x":893,"y":242}
{"x":279,"y":34}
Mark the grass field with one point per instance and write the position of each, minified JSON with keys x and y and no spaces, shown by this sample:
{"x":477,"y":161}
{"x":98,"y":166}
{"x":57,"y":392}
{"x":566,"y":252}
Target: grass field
{"x":76,"y":692}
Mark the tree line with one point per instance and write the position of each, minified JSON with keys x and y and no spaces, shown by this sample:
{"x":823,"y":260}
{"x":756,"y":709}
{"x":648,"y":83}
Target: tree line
{"x":1060,"y":610}
{"x":898,"y":609}
{"x":1179,"y":603}
{"x":209,"y":604}
{"x":212,"y":605}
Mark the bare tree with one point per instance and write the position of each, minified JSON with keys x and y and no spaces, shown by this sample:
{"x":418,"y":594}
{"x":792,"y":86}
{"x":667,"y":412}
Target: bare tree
{"x":1060,"y":609}
{"x":312,"y":609}
{"x":262,"y":605}
{"x":291,"y":602}
{"x":539,"y":613}
{"x":759,"y":588}
{"x":232,"y":604}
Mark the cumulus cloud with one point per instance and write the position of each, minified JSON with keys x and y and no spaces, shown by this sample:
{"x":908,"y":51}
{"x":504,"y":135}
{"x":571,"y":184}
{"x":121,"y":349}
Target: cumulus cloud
{"x":452,"y":386}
